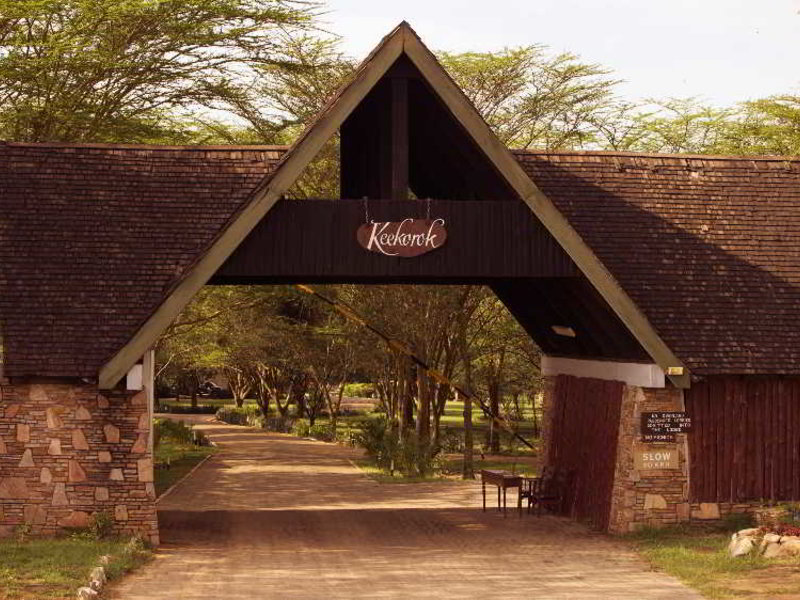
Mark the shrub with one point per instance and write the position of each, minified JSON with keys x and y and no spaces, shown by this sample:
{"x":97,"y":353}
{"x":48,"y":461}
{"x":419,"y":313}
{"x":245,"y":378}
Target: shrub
{"x":175,"y":430}
{"x":322,"y":431}
{"x":301,"y":428}
{"x":246,"y":415}
{"x":281,"y":424}
{"x":451,"y":441}
{"x":385,"y":448}
{"x":359,"y":390}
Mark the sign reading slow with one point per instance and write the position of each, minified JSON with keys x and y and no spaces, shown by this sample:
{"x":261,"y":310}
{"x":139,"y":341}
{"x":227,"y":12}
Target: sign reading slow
{"x":406,"y":238}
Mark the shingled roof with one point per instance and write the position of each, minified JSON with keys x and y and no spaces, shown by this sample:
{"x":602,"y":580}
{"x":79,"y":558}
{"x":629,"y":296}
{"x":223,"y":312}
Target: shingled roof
{"x":93,"y":237}
{"x":708,"y":247}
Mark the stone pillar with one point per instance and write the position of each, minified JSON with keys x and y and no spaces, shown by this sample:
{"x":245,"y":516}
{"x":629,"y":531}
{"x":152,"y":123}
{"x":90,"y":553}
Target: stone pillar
{"x":653,"y":497}
{"x":69,"y":453}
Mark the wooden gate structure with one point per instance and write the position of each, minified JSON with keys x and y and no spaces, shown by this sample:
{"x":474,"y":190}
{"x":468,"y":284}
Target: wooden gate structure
{"x":640,"y":275}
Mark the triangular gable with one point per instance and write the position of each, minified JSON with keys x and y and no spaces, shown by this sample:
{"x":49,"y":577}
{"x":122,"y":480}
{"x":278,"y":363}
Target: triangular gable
{"x":403,"y":40}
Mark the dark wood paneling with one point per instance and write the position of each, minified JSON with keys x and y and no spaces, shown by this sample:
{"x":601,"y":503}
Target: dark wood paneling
{"x":538,"y":304}
{"x":315,"y":241}
{"x":584,"y":438}
{"x":745,"y":441}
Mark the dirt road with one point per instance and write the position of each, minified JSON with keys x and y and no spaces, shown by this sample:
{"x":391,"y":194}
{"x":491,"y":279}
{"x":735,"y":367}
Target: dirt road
{"x":278,"y":517}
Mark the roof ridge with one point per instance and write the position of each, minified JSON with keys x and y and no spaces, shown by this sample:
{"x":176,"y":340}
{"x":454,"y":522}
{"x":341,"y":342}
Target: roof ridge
{"x":677,"y":156}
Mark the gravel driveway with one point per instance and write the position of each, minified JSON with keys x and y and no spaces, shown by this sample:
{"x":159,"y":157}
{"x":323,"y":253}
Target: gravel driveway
{"x":274,"y":516}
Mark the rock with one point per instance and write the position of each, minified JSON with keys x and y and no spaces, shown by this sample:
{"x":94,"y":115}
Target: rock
{"x":76,"y":519}
{"x":772,"y":550}
{"x":45,"y":476}
{"x":34,"y":514}
{"x":144,"y":422}
{"x":23,"y":432}
{"x":60,"y":495}
{"x":54,"y":449}
{"x":102,"y":401}
{"x":82,"y":414}
{"x":145,"y":468}
{"x":121,"y":512}
{"x":14,"y":488}
{"x":770,"y":538}
{"x":140,"y":446}
{"x":86,"y":593}
{"x":76,"y":472}
{"x":789,"y":538}
{"x":97,"y":578}
{"x":707,"y":510}
{"x":116,"y":475}
{"x":104,"y":456}
{"x":112,"y":433}
{"x":38,"y":394}
{"x":150,"y":489}
{"x":53,"y":418}
{"x":656,"y":501}
{"x":101,"y":494}
{"x":79,"y":440}
{"x":12,"y":411}
{"x":3,"y":448}
{"x":790,"y":548}
{"x":740,"y":546}
{"x":751,"y":532}
{"x":27,"y":459}
{"x":139,"y":399}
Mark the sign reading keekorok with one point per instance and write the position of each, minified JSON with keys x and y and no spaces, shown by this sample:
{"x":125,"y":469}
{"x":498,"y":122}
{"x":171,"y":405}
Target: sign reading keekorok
{"x":407,"y":238}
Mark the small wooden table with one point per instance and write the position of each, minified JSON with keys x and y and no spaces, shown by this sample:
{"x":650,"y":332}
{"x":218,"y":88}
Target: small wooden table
{"x":503,"y":480}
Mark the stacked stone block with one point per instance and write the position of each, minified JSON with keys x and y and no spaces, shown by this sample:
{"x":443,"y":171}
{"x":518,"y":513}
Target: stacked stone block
{"x":69,"y":452}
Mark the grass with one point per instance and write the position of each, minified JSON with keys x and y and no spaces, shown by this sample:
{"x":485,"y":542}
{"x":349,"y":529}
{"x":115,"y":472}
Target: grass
{"x":39,"y":569}
{"x":698,"y":556}
{"x":180,"y":457}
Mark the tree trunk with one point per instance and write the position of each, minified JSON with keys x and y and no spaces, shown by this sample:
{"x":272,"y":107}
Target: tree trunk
{"x":494,"y":406}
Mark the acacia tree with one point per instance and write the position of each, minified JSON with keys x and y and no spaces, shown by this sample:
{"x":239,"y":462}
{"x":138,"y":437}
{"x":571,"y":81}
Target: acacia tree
{"x":111,"y":70}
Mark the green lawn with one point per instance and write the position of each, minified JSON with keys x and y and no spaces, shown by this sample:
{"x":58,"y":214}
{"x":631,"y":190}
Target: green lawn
{"x":698,"y":556}
{"x":181,"y":459}
{"x":55,"y":568}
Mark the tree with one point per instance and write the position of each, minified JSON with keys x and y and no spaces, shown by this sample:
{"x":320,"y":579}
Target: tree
{"x":532,"y":99}
{"x":132,"y":70}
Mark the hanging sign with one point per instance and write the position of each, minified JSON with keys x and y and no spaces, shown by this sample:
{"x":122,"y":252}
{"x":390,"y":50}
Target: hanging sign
{"x":662,"y":426}
{"x":406,"y":238}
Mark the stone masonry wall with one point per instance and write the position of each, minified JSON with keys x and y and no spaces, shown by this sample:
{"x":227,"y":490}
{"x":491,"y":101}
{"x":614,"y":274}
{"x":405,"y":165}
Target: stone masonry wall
{"x":68,"y":452}
{"x":654,"y":498}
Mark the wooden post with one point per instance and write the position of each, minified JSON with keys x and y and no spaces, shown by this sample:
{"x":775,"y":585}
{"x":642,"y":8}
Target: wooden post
{"x":399,"y":151}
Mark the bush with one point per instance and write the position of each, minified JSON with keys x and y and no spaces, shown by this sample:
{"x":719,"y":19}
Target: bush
{"x":281,"y":424}
{"x":301,"y":428}
{"x":246,"y":415}
{"x":359,"y":390}
{"x":175,"y":430}
{"x":451,"y":441}
{"x":390,"y":453}
{"x":322,"y":431}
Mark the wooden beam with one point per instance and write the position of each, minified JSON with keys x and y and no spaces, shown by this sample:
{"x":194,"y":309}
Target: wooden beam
{"x":263,"y":199}
{"x":400,"y":146}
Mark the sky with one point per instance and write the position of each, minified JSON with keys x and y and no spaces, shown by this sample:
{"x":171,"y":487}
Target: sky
{"x":721,"y":51}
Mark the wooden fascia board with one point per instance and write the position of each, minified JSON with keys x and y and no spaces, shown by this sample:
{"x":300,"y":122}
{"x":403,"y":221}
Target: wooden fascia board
{"x":543,"y":208}
{"x":287,"y":172}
